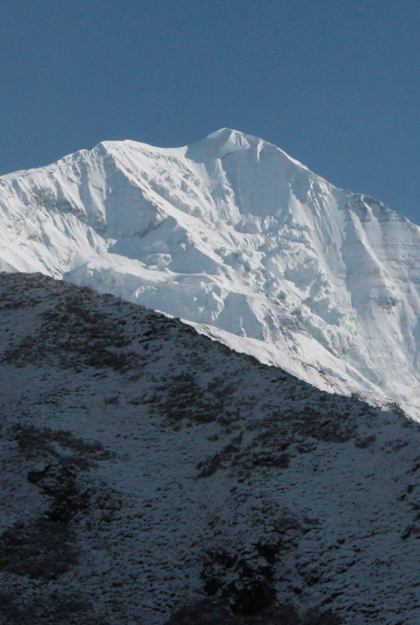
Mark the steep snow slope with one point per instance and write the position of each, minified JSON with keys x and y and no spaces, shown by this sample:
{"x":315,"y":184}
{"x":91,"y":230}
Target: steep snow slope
{"x":236,"y":237}
{"x":151,"y":476}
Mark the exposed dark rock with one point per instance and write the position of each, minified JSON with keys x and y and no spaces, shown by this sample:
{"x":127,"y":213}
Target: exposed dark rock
{"x":214,"y":612}
{"x":268,"y":551}
{"x":39,"y":550}
{"x":37,"y":442}
{"x":49,"y":608}
{"x":251,"y":597}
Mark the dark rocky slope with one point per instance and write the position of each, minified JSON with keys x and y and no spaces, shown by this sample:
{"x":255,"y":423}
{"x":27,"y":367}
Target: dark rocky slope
{"x":152,"y":476}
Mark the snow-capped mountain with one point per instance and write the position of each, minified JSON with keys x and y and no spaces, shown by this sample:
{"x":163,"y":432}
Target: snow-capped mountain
{"x":239,"y":239}
{"x":151,"y":476}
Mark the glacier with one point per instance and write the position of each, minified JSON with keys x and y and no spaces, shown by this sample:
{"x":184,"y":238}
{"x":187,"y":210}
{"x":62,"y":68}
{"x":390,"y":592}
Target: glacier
{"x":243,"y":242}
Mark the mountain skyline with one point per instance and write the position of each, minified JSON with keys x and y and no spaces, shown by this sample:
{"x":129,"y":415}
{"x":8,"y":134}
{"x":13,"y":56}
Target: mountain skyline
{"x":296,"y":74}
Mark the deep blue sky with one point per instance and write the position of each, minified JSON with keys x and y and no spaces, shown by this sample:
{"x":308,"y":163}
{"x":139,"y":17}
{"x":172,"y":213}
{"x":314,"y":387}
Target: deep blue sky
{"x":335,"y":83}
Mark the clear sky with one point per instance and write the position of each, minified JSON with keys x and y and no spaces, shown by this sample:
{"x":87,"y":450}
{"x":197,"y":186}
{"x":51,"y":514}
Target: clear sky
{"x":334,"y":83}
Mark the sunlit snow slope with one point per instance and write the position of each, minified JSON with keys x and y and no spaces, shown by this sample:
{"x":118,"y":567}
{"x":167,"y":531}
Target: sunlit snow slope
{"x":232,"y":234}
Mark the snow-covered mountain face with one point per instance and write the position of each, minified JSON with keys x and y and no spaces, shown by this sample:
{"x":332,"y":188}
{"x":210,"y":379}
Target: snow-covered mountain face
{"x":238,"y":238}
{"x":151,"y":476}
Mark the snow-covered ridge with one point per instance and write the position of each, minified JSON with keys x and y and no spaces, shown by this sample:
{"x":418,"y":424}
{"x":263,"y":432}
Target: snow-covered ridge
{"x":239,"y":239}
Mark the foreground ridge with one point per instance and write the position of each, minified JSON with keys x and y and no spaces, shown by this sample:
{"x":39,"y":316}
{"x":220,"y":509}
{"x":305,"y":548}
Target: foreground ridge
{"x":150,"y":475}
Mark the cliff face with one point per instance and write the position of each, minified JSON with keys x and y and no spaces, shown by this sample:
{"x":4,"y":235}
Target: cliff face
{"x":150,"y":475}
{"x":239,"y":239}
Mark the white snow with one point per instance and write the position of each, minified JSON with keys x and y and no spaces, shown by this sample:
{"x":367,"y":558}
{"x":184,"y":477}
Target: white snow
{"x":242,"y":241}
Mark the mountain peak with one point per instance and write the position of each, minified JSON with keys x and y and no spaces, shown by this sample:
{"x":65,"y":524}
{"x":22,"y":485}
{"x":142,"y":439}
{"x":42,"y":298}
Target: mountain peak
{"x":234,"y":137}
{"x":236,"y":237}
{"x":229,"y":141}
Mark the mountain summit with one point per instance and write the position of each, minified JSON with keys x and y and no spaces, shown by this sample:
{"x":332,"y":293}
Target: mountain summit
{"x":244,"y":242}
